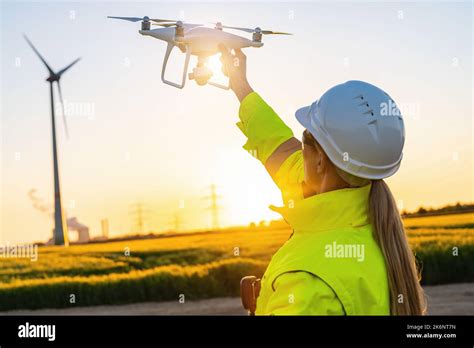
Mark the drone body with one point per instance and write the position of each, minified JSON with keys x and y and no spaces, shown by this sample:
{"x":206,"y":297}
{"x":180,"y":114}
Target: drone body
{"x":197,"y":40}
{"x":203,"y":41}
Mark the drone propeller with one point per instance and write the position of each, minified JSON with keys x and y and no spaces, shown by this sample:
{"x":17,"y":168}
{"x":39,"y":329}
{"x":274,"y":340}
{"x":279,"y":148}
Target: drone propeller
{"x":146,"y":19}
{"x":178,"y":24}
{"x":257,"y":30}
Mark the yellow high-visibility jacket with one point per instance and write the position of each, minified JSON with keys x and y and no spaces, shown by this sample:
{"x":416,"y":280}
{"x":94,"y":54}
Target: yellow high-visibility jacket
{"x":331,"y":265}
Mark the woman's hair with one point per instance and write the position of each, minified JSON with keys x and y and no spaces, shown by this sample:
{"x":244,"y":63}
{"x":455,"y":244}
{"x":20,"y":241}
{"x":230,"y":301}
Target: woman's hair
{"x":406,"y":294}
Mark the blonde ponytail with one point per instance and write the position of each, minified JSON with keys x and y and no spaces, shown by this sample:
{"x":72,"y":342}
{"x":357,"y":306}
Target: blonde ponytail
{"x":406,"y":294}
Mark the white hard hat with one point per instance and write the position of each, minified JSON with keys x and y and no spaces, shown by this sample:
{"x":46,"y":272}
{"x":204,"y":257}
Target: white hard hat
{"x":359,"y":127}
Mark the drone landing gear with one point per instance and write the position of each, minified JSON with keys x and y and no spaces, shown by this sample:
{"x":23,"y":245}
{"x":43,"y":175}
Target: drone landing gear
{"x":165,"y":62}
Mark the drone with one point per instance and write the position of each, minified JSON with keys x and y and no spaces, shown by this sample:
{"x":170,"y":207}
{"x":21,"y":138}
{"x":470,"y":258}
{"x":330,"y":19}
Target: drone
{"x":197,"y":40}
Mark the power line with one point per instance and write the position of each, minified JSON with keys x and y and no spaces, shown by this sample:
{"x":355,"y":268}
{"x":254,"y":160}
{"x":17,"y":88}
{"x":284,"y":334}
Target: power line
{"x":214,"y":207}
{"x":139,"y":214}
{"x":173,"y":219}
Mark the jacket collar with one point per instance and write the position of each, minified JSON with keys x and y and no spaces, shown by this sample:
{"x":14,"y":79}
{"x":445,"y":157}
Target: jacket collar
{"x":335,"y":209}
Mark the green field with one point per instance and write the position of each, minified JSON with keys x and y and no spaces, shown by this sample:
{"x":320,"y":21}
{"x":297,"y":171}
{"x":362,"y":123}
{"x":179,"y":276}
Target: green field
{"x":199,"y":265}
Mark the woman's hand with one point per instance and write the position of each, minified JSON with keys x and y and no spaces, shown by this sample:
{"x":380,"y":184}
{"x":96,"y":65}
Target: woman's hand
{"x":234,"y":66}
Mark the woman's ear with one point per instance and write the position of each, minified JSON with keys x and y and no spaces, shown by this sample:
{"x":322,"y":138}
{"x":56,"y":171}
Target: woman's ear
{"x":319,"y":165}
{"x":321,"y":159}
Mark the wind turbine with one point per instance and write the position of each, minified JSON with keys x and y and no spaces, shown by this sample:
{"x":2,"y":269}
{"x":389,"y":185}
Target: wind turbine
{"x":60,"y":236}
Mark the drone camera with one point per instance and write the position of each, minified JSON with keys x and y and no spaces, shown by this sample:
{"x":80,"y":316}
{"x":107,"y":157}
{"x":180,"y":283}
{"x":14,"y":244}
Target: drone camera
{"x":201,"y":74}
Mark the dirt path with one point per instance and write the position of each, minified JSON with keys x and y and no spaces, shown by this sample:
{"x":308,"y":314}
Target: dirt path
{"x":452,"y":299}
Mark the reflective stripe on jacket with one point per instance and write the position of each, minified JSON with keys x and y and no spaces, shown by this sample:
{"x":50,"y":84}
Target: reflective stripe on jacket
{"x":331,"y":265}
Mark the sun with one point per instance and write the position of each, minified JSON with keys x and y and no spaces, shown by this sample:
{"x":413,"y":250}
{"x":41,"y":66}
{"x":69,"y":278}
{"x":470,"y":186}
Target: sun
{"x":215,"y":65}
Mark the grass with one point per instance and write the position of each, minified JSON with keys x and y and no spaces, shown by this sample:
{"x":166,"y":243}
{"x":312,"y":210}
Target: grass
{"x":199,"y":265}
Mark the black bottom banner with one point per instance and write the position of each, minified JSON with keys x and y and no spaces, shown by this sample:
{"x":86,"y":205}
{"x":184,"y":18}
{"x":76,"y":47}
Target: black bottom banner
{"x":223,"y":330}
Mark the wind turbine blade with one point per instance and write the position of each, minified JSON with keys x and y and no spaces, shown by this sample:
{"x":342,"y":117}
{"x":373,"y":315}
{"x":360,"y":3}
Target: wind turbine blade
{"x":39,"y":55}
{"x":60,"y":72}
{"x":64,"y":112}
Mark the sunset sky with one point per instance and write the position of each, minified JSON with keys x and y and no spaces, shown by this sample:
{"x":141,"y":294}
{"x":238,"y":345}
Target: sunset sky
{"x":134,"y":139}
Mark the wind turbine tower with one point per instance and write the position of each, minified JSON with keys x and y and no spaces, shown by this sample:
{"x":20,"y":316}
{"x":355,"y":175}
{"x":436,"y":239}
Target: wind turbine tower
{"x":60,"y":236}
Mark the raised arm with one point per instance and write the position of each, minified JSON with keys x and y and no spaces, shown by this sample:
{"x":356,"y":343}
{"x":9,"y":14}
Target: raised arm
{"x":269,"y":139}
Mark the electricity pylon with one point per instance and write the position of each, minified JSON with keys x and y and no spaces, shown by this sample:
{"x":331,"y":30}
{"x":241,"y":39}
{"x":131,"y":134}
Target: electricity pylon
{"x":139,"y":214}
{"x":214,"y":206}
